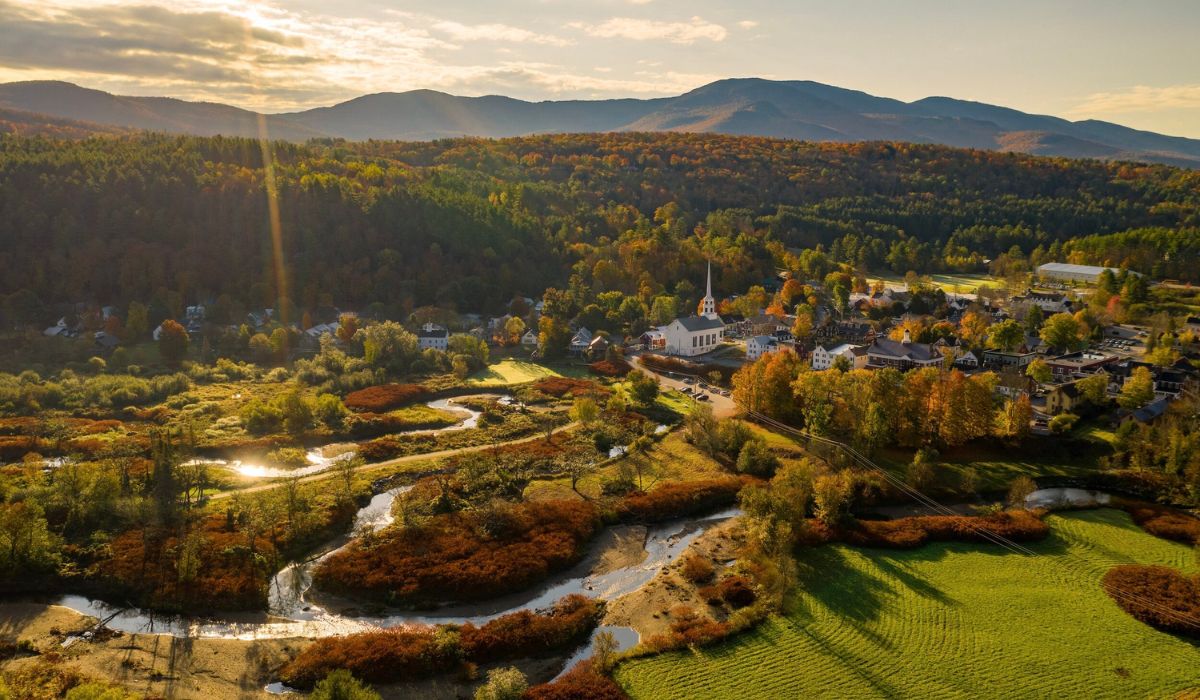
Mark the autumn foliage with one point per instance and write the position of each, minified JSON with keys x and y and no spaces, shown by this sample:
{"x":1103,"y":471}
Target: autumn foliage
{"x":1166,"y":523}
{"x":375,"y":657}
{"x":582,"y":682}
{"x":678,"y":499}
{"x":610,"y":368}
{"x":907,"y":533}
{"x":1160,"y":596}
{"x":526,"y":633}
{"x":377,"y":399}
{"x":559,"y":387}
{"x":404,"y":653}
{"x":459,"y":556}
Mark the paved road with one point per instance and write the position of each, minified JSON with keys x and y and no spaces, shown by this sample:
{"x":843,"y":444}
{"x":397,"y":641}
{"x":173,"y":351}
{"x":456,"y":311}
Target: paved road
{"x":329,"y":473}
{"x":723,"y":406}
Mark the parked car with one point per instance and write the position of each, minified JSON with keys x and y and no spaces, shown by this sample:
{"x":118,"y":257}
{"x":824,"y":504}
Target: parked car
{"x":702,"y":397}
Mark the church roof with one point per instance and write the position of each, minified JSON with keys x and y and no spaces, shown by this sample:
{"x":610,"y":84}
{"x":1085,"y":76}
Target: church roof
{"x":700,"y":323}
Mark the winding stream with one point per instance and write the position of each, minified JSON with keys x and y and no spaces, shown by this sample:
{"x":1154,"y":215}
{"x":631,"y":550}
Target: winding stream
{"x":293,"y":614}
{"x":322,"y":458}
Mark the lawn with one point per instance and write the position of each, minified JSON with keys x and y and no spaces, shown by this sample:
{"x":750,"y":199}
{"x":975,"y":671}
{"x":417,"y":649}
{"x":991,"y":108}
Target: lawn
{"x":949,"y":620}
{"x":510,"y":371}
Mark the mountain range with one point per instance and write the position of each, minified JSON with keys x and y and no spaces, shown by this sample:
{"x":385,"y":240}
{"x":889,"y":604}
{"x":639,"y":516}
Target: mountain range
{"x":794,"y":109}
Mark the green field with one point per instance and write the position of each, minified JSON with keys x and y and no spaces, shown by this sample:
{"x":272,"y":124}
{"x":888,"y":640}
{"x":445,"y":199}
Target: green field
{"x":949,"y":620}
{"x":961,"y":284}
{"x":510,"y":371}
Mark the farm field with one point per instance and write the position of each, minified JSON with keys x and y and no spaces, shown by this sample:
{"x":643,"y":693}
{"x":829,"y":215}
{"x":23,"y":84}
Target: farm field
{"x":962,"y":284}
{"x":949,"y":620}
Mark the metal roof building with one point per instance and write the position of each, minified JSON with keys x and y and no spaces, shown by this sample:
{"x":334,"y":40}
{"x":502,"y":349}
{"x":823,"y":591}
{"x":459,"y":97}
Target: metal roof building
{"x":1074,"y":273}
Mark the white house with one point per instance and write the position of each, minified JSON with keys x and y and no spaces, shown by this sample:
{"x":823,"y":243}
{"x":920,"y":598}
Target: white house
{"x":823,"y":356}
{"x":530,"y":339}
{"x":433,"y":336}
{"x":759,"y":345}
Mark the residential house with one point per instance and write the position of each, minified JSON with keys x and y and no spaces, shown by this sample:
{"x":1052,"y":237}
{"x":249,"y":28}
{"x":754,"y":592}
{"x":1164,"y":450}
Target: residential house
{"x":1145,"y":415}
{"x":598,"y":348}
{"x":1078,"y":364}
{"x":1002,"y":358}
{"x":654,"y":339}
{"x":823,"y":356}
{"x":758,"y":345}
{"x":580,"y":341}
{"x":1048,"y":302}
{"x":530,"y":339}
{"x":433,"y":336}
{"x":1063,"y":398}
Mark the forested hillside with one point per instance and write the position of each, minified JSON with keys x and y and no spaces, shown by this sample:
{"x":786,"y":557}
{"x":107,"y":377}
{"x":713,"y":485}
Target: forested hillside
{"x":469,"y":223}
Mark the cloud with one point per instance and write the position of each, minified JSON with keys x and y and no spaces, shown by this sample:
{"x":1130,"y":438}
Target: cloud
{"x":261,"y":55}
{"x":1140,"y":98}
{"x":747,"y":24}
{"x":496,"y":32}
{"x":653,"y":30}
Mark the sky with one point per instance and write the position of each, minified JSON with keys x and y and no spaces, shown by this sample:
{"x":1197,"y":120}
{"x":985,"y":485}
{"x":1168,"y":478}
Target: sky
{"x":1134,"y":63}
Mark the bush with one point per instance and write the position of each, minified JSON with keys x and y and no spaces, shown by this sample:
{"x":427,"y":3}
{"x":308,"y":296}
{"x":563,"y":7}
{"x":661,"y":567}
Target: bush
{"x":610,"y":368}
{"x":756,"y":459}
{"x":690,"y":629}
{"x":377,"y":657}
{"x":1167,"y":523}
{"x":1063,"y":423}
{"x":503,"y":684}
{"x":580,"y":683}
{"x":559,"y":387}
{"x":697,"y":569}
{"x":341,"y":685}
{"x":378,"y":399}
{"x":451,"y":558}
{"x":1157,"y":595}
{"x":737,"y":591}
{"x":525,"y":633}
{"x":680,"y":498}
{"x":907,"y":533}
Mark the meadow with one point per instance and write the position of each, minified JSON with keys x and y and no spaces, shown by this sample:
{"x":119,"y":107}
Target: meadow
{"x":949,"y":620}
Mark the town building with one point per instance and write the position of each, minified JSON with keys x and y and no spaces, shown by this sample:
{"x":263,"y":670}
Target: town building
{"x":1067,"y":272}
{"x":823,"y":356}
{"x":902,"y":354}
{"x":432,"y":336}
{"x":695,"y":335}
{"x":759,"y":345}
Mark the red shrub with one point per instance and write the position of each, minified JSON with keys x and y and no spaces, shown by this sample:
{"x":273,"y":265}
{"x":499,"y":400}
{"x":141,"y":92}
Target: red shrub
{"x":688,"y":628}
{"x":907,"y":533}
{"x":610,"y":368}
{"x":454,"y":558}
{"x":738,"y":591}
{"x":13,"y":448}
{"x":525,"y":633}
{"x":679,"y":498}
{"x":377,"y":399}
{"x":696,"y":569}
{"x":1167,"y":523}
{"x":561,"y":386}
{"x":580,"y":683}
{"x":375,"y":657}
{"x":1157,"y":595}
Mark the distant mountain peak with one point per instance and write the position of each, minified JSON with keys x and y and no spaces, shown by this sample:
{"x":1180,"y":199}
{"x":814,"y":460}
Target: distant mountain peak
{"x":797,"y":109}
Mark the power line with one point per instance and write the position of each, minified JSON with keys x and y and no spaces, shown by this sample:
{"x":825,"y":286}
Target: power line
{"x":982,"y":531}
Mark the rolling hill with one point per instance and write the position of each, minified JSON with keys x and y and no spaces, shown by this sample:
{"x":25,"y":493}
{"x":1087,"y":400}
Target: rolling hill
{"x":796,"y":109}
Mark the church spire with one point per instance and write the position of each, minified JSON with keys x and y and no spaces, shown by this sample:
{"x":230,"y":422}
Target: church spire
{"x":708,"y":305}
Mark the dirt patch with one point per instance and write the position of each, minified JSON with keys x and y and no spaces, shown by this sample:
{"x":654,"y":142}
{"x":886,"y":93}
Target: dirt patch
{"x":150,"y":664}
{"x":647,"y":609}
{"x":619,"y":548}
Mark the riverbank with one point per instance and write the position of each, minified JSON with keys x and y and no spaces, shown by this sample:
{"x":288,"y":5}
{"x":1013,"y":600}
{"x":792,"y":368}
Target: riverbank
{"x":153,"y":665}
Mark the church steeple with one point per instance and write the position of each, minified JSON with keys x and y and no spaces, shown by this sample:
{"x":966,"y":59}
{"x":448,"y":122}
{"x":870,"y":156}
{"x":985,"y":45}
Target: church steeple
{"x":708,"y":305}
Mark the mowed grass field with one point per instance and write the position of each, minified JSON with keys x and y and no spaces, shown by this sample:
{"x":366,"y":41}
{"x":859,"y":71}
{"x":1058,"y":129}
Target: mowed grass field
{"x":950,"y":620}
{"x":960,"y":284}
{"x":510,"y":371}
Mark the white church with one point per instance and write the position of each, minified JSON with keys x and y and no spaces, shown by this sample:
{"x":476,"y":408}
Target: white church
{"x":695,"y":335}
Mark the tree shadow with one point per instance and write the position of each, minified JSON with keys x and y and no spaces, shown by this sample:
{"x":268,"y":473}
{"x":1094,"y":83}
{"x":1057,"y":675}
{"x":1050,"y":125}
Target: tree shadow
{"x":847,"y":591}
{"x":899,"y":570}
